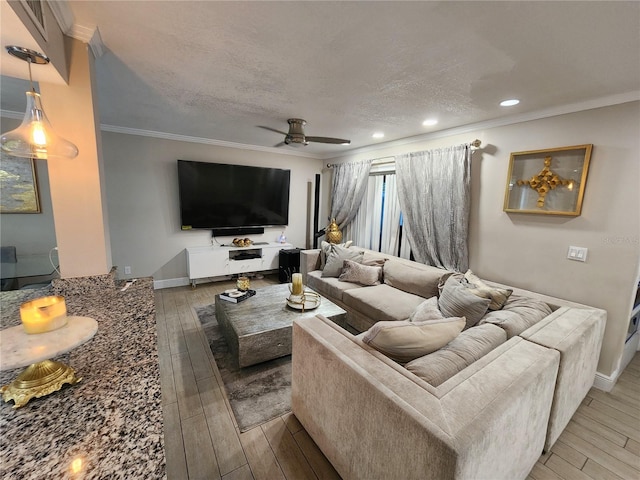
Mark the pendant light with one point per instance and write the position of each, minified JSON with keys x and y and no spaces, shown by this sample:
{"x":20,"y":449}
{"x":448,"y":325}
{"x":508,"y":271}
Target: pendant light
{"x":35,"y":137}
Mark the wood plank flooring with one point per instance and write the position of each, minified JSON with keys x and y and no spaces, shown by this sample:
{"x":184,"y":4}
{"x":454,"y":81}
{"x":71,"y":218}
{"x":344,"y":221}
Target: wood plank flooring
{"x":202,"y":440}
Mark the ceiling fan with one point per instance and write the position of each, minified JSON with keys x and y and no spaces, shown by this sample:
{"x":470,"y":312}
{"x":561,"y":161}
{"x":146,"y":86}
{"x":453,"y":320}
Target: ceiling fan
{"x":296,"y":135}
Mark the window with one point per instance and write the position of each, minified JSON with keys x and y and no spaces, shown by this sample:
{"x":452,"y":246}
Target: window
{"x":378,"y":223}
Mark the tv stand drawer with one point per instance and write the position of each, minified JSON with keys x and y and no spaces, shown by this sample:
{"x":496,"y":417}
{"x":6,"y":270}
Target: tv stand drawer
{"x":245,"y":266}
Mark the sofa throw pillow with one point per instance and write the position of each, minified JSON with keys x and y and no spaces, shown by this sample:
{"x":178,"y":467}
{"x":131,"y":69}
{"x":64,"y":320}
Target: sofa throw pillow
{"x":457,"y":301}
{"x":325,"y":248}
{"x":411,"y":277}
{"x":498,"y":296}
{"x":468,"y":347}
{"x":362,"y":274}
{"x":427,"y":310}
{"x":336,"y":257}
{"x":404,"y":341}
{"x":373,"y":259}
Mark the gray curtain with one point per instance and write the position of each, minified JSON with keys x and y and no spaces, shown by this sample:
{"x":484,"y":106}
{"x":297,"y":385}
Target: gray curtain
{"x":348,"y":187}
{"x":434,"y":193}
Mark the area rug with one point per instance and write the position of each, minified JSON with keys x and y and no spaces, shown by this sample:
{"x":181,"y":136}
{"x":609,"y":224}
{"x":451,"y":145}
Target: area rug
{"x":258,"y":393}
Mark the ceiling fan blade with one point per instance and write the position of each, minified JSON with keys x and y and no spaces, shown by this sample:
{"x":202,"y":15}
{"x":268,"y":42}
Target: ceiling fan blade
{"x":338,"y":141}
{"x":281,"y":144}
{"x":272,"y":129}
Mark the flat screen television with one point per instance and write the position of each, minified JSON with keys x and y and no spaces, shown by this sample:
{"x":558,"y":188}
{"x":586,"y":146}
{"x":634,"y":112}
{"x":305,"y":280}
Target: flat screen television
{"x":221,"y":196}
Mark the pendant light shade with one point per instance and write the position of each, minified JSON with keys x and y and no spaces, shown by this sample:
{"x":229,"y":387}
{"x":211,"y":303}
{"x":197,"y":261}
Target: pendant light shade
{"x":35,"y":137}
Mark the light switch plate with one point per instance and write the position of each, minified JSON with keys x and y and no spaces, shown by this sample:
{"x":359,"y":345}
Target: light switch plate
{"x":579,"y":254}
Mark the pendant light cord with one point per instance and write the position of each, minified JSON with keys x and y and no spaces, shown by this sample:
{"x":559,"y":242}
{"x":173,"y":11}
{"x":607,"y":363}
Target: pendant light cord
{"x":33,"y":89}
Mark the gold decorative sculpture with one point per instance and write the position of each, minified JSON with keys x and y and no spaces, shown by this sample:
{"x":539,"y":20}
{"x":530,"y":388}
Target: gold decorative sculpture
{"x":243,"y":284}
{"x":567,"y":178}
{"x":544,"y":181}
{"x":334,"y":235}
{"x":242,"y":242}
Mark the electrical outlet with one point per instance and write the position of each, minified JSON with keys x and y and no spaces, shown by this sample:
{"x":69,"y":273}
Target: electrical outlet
{"x":579,"y":254}
{"x":127,"y":270}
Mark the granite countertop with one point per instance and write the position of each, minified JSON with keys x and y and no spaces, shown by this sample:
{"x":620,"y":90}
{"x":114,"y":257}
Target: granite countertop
{"x":110,"y":424}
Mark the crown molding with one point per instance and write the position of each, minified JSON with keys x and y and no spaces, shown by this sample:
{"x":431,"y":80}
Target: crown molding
{"x":205,"y":141}
{"x":90,"y":36}
{"x":66,"y":20}
{"x":499,"y":122}
{"x":607,"y":101}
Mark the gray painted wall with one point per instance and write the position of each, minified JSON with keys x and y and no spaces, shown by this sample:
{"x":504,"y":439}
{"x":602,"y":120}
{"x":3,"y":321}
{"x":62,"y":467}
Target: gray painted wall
{"x":142,"y":195}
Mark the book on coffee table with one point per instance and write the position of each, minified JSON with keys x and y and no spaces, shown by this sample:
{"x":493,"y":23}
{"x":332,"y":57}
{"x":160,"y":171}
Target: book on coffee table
{"x":237,"y":296}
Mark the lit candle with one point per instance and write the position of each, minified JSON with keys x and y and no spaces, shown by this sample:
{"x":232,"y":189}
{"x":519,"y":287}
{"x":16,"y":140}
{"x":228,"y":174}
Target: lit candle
{"x":296,"y":287}
{"x":43,"y":314}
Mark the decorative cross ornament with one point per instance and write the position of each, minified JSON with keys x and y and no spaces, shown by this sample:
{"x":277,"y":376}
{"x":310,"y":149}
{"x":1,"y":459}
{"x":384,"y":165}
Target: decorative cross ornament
{"x":544,"y":181}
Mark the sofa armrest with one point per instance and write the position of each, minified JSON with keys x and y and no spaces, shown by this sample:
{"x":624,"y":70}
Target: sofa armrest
{"x":309,"y":261}
{"x":373,"y":419}
{"x":576,"y":333}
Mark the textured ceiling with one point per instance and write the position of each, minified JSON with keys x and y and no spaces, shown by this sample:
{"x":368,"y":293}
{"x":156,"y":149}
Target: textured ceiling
{"x":219,"y":70}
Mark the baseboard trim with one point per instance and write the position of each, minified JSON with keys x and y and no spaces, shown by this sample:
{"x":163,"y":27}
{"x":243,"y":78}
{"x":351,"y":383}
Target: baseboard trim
{"x":604,"y":382}
{"x":171,"y":282}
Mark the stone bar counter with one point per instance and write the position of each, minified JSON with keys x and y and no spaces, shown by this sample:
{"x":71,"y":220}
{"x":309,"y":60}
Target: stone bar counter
{"x":109,"y":425}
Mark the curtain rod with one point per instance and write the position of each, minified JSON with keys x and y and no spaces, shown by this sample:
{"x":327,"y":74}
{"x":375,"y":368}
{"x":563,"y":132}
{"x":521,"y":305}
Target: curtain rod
{"x":475,"y":145}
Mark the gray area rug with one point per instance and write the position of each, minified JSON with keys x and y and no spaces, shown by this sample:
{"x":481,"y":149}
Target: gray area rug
{"x":258,"y":393}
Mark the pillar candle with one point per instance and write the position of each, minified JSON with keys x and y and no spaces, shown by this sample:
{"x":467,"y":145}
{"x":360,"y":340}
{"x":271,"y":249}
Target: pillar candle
{"x":296,"y":287}
{"x":43,"y":314}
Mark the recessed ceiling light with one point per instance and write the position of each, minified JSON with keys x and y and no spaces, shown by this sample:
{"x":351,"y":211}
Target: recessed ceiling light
{"x":509,"y":103}
{"x":430,"y":122}
{"x":378,"y":135}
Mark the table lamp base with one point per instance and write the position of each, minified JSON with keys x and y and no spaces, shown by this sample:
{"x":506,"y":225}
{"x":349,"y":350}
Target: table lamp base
{"x":38,"y":380}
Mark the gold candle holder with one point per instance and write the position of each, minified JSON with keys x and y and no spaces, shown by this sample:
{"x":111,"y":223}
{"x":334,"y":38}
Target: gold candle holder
{"x":43,"y":314}
{"x":243,"y":283}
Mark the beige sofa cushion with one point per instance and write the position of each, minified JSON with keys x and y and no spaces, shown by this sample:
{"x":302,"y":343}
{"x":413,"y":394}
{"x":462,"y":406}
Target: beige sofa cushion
{"x":362,"y":274}
{"x":427,"y":310}
{"x":418,"y":279}
{"x":381,"y":302}
{"x":325,"y":249}
{"x":457,"y":301}
{"x":518,"y":314}
{"x":466,"y":348}
{"x":404,"y":341}
{"x":374,"y":258}
{"x":336,"y":257}
{"x":497,"y":295}
{"x":328,"y":286}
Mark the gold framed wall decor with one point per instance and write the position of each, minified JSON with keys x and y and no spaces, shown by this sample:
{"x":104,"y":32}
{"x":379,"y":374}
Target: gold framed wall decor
{"x":548,"y":182}
{"x":18,"y":185}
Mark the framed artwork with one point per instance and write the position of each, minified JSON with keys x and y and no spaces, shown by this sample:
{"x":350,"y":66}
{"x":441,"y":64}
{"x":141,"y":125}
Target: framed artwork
{"x":548,"y":182}
{"x":18,"y":185}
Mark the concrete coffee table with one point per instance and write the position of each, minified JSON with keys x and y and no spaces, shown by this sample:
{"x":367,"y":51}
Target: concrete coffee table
{"x":259,"y":328}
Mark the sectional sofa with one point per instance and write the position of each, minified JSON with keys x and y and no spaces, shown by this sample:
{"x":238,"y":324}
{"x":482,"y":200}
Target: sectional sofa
{"x":512,"y":382}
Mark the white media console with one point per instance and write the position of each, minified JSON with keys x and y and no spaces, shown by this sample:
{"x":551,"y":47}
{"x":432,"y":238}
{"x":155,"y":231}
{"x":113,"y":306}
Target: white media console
{"x":219,"y":261}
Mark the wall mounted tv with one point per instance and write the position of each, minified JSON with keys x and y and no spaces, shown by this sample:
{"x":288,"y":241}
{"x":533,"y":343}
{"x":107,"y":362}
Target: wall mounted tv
{"x":221,"y":196}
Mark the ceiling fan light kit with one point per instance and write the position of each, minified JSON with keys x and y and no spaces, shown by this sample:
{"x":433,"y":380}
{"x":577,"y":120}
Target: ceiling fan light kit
{"x":296,"y":136}
{"x":35,"y":137}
